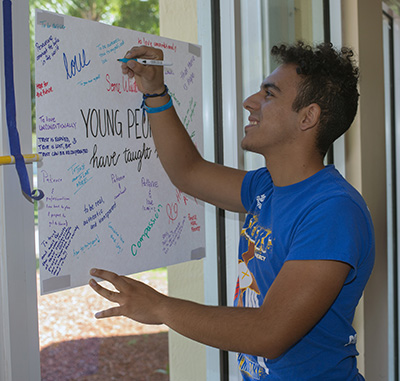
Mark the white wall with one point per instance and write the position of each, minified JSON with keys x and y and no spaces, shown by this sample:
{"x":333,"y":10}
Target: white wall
{"x":19,"y":340}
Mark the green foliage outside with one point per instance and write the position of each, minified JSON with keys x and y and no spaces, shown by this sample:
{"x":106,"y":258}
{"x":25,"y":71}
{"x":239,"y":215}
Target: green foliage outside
{"x":140,"y":15}
{"x":394,"y":5}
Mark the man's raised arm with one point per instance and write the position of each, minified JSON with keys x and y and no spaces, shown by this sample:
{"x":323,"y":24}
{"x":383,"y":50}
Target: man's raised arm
{"x":185,"y":167}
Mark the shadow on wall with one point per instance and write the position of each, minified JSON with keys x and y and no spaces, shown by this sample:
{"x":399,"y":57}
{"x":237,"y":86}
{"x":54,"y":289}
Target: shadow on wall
{"x":136,"y":357}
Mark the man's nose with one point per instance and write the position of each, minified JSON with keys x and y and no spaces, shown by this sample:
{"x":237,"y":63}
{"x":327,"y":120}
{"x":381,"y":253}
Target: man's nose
{"x":251,"y":102}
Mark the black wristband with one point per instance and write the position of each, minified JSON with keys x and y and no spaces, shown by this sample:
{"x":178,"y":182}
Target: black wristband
{"x":165,"y":92}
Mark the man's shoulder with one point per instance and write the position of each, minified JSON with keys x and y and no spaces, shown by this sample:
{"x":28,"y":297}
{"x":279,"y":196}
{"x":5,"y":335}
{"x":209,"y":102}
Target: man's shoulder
{"x":337,"y":187}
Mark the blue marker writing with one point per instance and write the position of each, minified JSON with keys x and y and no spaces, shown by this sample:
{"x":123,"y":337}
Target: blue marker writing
{"x":77,"y":64}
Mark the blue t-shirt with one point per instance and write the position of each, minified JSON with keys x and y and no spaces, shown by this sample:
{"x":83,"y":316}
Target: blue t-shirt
{"x":320,"y":218}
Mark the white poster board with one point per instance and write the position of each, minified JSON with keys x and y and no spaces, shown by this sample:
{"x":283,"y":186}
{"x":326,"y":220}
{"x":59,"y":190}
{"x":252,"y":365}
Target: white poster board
{"x":108,"y":202}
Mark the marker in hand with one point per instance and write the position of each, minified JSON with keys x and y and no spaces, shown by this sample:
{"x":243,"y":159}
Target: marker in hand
{"x":146,"y":62}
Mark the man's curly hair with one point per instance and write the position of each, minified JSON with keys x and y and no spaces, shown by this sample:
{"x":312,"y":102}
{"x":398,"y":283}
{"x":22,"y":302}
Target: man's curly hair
{"x":329,"y":79}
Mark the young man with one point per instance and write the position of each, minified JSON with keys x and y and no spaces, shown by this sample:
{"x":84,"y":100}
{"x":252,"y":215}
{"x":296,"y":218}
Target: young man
{"x":307,"y":245}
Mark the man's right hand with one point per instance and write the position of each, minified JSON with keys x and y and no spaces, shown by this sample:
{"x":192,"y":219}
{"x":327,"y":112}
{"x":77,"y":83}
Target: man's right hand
{"x":149,"y":79}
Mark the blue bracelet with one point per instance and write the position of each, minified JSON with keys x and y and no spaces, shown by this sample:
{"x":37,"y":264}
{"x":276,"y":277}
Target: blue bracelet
{"x":154,"y":110}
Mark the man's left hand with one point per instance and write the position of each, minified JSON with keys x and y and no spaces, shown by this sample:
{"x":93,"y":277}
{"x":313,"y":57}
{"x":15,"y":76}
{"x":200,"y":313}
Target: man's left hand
{"x":136,"y":300}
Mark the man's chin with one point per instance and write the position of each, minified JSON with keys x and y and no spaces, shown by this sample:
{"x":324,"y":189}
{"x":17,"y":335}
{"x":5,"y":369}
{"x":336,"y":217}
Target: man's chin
{"x":247,"y":147}
{"x":244,"y":145}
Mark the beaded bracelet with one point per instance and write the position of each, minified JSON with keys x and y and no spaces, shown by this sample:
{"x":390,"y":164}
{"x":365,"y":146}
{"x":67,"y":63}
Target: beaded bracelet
{"x":154,"y":110}
{"x":165,"y":92}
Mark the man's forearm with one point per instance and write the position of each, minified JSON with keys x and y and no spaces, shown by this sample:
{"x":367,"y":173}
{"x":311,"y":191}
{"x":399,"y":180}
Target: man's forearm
{"x":175,"y":148}
{"x":228,"y":328}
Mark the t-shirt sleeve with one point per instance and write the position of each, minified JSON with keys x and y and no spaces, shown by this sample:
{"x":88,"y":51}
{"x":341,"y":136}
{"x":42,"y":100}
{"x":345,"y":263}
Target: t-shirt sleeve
{"x":254,"y":183}
{"x":333,"y":230}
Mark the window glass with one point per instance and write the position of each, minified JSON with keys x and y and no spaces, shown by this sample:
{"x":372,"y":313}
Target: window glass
{"x":73,"y":344}
{"x":394,"y":5}
{"x":268,"y":23}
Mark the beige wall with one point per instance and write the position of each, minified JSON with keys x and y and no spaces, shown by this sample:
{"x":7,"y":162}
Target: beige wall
{"x":178,"y":19}
{"x":187,"y":359}
{"x":365,"y":169}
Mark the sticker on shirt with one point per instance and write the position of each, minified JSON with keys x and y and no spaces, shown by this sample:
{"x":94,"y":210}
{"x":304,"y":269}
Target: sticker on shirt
{"x":260,"y":199}
{"x":251,"y":370}
{"x":259,"y":242}
{"x":247,"y":291}
{"x":352,"y":340}
{"x":259,"y":239}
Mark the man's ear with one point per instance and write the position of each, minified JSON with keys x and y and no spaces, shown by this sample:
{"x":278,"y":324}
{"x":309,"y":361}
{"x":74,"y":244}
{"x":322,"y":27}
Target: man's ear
{"x":309,"y":117}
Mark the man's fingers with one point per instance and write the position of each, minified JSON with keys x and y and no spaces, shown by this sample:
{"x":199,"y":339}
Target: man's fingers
{"x":141,"y":52}
{"x":114,"y":311}
{"x":104,"y":274}
{"x":145,"y":52}
{"x":116,"y":280}
{"x":104,"y":292}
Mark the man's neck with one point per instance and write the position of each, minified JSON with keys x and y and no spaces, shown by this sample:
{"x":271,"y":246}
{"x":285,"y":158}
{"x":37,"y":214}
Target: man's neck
{"x":288,"y":170}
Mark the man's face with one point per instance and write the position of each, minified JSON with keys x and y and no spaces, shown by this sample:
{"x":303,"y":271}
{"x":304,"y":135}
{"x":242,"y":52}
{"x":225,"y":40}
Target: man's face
{"x":272,"y":123}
